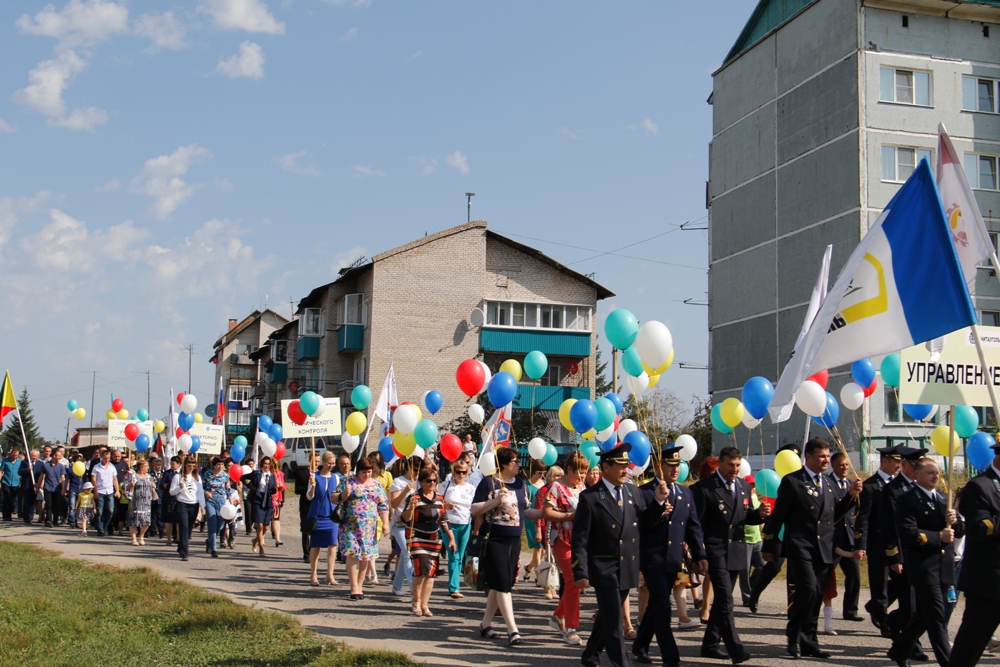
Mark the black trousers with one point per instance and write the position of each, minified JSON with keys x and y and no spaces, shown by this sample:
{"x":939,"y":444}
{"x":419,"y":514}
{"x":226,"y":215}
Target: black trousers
{"x":8,"y":496}
{"x":906,"y":607}
{"x":656,"y":619}
{"x":186,"y":516}
{"x":929,"y":617}
{"x":722,"y":618}
{"x":52,"y":505}
{"x":852,"y":583}
{"x":608,"y":633}
{"x":304,"y":504}
{"x":28,"y":496}
{"x":765,"y":575}
{"x":810,"y":579}
{"x":979,"y":622}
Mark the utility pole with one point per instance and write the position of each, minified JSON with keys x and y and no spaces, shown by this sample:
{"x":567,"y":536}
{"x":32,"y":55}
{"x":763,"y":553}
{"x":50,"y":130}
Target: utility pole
{"x":149,"y":392}
{"x":469,"y":195}
{"x":190,"y":349}
{"x":93,"y":387}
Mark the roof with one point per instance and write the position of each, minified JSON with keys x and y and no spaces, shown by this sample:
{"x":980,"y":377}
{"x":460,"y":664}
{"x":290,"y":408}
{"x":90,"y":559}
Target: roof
{"x":247,"y":321}
{"x":602,"y":292}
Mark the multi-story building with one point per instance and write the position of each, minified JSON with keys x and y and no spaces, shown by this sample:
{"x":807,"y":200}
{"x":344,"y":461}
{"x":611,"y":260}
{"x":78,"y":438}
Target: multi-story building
{"x":820,"y":111}
{"x":462,"y":293}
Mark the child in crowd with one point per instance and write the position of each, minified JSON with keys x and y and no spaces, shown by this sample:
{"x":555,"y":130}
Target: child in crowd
{"x":85,"y":506}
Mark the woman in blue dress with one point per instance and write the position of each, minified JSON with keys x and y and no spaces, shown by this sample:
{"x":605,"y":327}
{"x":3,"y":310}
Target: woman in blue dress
{"x":322,"y":485}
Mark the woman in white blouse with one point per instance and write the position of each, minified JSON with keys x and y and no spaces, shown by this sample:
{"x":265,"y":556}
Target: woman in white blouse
{"x":186,"y":488}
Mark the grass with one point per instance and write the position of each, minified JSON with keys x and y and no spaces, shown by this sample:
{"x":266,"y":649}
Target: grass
{"x":56,"y":611}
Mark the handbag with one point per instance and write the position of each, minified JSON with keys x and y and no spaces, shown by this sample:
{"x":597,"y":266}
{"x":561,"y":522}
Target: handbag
{"x":547,"y":574}
{"x":339,"y":513}
{"x":475,"y":557}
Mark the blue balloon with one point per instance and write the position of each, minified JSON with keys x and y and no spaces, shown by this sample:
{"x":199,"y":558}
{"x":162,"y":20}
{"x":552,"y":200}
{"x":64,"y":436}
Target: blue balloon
{"x":433,"y":401}
{"x":583,"y":416}
{"x":385,"y":448}
{"x":757,"y":394}
{"x":275,"y":432}
{"x":608,"y":444}
{"x":502,"y":389}
{"x":264,"y":423}
{"x":830,"y":415}
{"x":185,"y":421}
{"x":863,"y":372}
{"x":142,"y":442}
{"x":918,"y":412}
{"x":978,"y":451}
{"x":238,"y":452}
{"x":195,"y":444}
{"x":616,"y":399}
{"x":640,"y":447}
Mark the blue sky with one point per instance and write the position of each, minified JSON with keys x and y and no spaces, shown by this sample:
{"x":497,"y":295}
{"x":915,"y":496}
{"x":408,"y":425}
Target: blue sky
{"x":166,"y":166}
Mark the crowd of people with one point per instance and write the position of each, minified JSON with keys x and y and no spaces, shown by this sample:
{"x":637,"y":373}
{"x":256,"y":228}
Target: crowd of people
{"x":586,"y":527}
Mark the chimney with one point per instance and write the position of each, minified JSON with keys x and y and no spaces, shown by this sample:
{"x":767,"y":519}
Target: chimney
{"x":232,"y":324}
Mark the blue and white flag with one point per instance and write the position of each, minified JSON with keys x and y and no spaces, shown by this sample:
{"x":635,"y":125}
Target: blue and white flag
{"x":903,"y":285}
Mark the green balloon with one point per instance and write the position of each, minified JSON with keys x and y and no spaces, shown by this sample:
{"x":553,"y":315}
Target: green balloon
{"x":890,"y":370}
{"x":717,"y":420}
{"x":621,"y":328}
{"x":632,"y":363}
{"x":309,"y":402}
{"x":142,"y":414}
{"x":361,"y":396}
{"x":536,"y":364}
{"x":606,"y":413}
{"x":425,"y":433}
{"x":966,"y":421}
{"x":551,"y":455}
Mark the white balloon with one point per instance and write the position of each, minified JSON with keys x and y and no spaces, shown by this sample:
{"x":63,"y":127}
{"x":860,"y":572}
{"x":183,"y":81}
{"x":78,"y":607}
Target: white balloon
{"x":476,"y":413}
{"x":228,"y":512}
{"x":268,"y":447}
{"x":144,"y":428}
{"x":405,"y":418}
{"x":611,"y":441}
{"x":852,"y":395}
{"x":811,"y":398}
{"x":638,"y":470}
{"x":931,"y":415}
{"x":603,"y":436}
{"x":654,"y":343}
{"x":744,"y":468}
{"x":260,"y":438}
{"x":320,"y":409}
{"x":536,"y":448}
{"x":418,"y":452}
{"x":350,"y":442}
{"x":184,"y":443}
{"x":625,"y":427}
{"x":247,"y":469}
{"x":688,"y":445}
{"x":637,"y":385}
{"x":487,"y":377}
{"x":749,"y":421}
{"x":487,"y":464}
{"x":189,"y":403}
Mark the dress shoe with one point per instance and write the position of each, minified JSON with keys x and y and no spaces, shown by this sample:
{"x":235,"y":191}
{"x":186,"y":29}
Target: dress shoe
{"x":643,"y":657}
{"x":752,"y":604}
{"x":919,"y":655}
{"x":713,"y":652}
{"x":809,"y":653}
{"x":793,"y":652}
{"x":741,"y":658}
{"x":853,"y":617}
{"x":901,"y":662}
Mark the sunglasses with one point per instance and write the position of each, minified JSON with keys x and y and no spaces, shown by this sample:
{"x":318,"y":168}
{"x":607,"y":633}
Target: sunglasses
{"x":430,"y":481}
{"x":461,"y":472}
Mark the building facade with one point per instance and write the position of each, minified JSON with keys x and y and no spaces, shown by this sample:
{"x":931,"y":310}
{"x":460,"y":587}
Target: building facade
{"x":820,"y":111}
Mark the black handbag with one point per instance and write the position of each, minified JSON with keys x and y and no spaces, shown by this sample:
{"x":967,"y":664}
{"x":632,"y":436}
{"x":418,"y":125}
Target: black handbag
{"x":339,"y":513}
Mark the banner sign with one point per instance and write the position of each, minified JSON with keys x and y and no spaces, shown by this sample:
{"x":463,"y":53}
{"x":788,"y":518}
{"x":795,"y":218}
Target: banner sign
{"x":957,"y":377}
{"x":327,"y":424}
{"x":212,"y":437}
{"x":116,"y":433}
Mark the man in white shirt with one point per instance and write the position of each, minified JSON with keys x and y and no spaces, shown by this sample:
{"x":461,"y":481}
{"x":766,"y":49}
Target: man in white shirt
{"x":105,"y":479}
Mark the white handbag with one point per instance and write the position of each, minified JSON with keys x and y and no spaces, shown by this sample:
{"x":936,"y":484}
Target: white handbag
{"x":547,"y":574}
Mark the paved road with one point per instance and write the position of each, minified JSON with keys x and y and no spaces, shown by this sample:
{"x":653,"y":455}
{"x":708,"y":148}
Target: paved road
{"x":281,"y":582}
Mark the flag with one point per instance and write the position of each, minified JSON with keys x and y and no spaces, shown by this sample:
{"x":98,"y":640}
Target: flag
{"x":221,"y":413}
{"x":387,"y":402}
{"x":496,"y":431}
{"x":902,"y":285}
{"x":8,"y":403}
{"x":170,"y":449}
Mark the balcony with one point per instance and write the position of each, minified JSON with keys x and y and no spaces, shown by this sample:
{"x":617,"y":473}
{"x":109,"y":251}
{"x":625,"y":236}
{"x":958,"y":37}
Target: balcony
{"x":350,"y":338}
{"x":241,"y":359}
{"x":307,"y":347}
{"x":555,"y":343}
{"x":278,"y":373}
{"x":547,"y":397}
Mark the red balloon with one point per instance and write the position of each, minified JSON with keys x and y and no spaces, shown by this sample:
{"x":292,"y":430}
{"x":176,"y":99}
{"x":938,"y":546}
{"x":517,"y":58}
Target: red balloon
{"x":235,"y":472}
{"x":820,"y":378}
{"x":179,"y":432}
{"x":396,"y":452}
{"x":871,"y":389}
{"x":450,"y":447}
{"x":131,"y":432}
{"x":279,"y":451}
{"x":117,"y":404}
{"x":180,"y":397}
{"x":470,"y":377}
{"x":295,"y":413}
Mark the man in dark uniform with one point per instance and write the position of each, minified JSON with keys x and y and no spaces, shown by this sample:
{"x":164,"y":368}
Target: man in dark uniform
{"x":763,"y":576}
{"x":808,"y":508}
{"x":980,"y":577}
{"x":723,"y":503}
{"x":927,"y":532}
{"x":846,"y":538}
{"x":661,"y":551}
{"x":606,"y":551}
{"x":869,"y":536}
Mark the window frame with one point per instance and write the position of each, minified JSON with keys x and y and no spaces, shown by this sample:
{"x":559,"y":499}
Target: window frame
{"x":351,"y":309}
{"x":974,"y":180}
{"x":500,"y":314}
{"x":900,"y":418}
{"x":913,"y":72}
{"x":976,"y":81}
{"x":311,"y":323}
{"x":238,"y":390}
{"x":279,"y":351}
{"x":994,"y":315}
{"x":918,"y":153}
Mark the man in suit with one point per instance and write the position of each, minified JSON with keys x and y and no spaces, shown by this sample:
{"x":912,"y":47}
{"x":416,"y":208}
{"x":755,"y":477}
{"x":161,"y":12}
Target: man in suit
{"x":927,"y":532}
{"x":980,"y":577}
{"x":723,"y":503}
{"x":808,"y":508}
{"x":868,"y":536}
{"x":763,"y":576}
{"x":845,"y":538}
{"x":662,"y":536}
{"x":606,"y":551}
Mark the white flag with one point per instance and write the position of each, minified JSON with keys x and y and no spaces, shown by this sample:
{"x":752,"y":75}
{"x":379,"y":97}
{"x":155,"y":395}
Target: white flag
{"x":496,"y":432}
{"x":387,"y":401}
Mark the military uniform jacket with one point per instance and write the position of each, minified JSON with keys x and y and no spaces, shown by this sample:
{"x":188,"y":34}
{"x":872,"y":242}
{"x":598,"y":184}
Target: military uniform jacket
{"x":606,"y":537}
{"x":723,"y":519}
{"x":887,"y":518}
{"x":868,"y":530}
{"x":662,"y":534}
{"x":980,"y":505}
{"x":921,"y":519}
{"x":845,"y":531}
{"x":808,"y":514}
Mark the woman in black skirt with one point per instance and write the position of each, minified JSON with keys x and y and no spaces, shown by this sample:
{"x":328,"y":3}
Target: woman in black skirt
{"x":261,"y":485}
{"x":502,"y":507}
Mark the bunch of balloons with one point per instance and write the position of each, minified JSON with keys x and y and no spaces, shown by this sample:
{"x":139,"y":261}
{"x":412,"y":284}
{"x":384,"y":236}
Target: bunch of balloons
{"x":309,"y":404}
{"x":597,"y":420}
{"x":117,"y":410}
{"x":268,"y":438}
{"x":239,"y":449}
{"x":647,"y":351}
{"x":727,"y":415}
{"x":75,"y":409}
{"x":543,"y":451}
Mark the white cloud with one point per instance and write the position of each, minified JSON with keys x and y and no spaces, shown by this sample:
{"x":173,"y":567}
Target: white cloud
{"x":575,"y":135}
{"x":79,"y":23}
{"x":344,"y":259}
{"x":249,"y":15}
{"x":458,"y":160}
{"x":82,"y":119}
{"x":365,"y":172}
{"x":160,"y":179}
{"x":12,"y":209}
{"x":427,"y":165}
{"x":650,"y":127}
{"x":249,"y":62}
{"x":65,"y":244}
{"x":351,"y":34}
{"x":7,"y":127}
{"x":44,"y":93}
{"x":111,"y":186}
{"x":291,"y":164}
{"x":163,"y":30}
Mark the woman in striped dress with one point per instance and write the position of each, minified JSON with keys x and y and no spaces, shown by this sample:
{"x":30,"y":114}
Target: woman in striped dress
{"x":140,"y":486}
{"x":425,"y":519}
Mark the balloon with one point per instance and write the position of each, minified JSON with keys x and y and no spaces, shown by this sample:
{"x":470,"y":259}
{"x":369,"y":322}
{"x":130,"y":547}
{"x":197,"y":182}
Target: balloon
{"x":320,"y":409}
{"x":404,"y":420}
{"x":260,"y":437}
{"x":238,"y":452}
{"x":811,"y":398}
{"x":744,"y":468}
{"x":551,"y":455}
{"x":142,"y":414}
{"x":425,"y":433}
{"x":683,"y":470}
{"x":111,"y":414}
{"x":80,"y":413}
{"x":185,"y":421}
{"x":179,"y":397}
{"x":450,"y":447}
{"x":625,"y":427}
{"x":605,"y":414}
{"x":72,"y":405}
{"x":831,"y":414}
{"x":536,"y":364}
{"x":184,"y":442}
{"x":433,"y":400}
{"x":190,"y":403}
{"x":386,"y":449}
{"x":785,"y":462}
{"x":820,"y":378}
{"x":488,"y":465}
{"x":592,"y":452}
{"x":757,"y":393}
{"x":564,"y":410}
{"x":502,"y":389}
{"x":349,"y":442}
{"x":536,"y":448}
{"x":275,"y":432}
{"x":659,"y":370}
{"x":279,"y":450}
{"x":131,"y":432}
{"x":919,"y":412}
{"x":356,"y":423}
{"x":583,"y":416}
{"x":294,"y":413}
{"x":640,"y":447}
{"x":513,"y":367}
{"x":632,"y":363}
{"x":852,"y":395}
{"x":117,"y":404}
{"x":688,"y":445}
{"x":79,"y":469}
{"x":178,"y":432}
{"x":870,"y":389}
{"x":487,"y":376}
{"x":978,"y":451}
{"x":890,"y":369}
{"x":621,"y":328}
{"x":143,"y":428}
{"x":606,"y":434}
{"x":717,"y":421}
{"x":309,"y":402}
{"x":749,"y":421}
{"x":966,"y":421}
{"x":159,"y":426}
{"x":142,"y":442}
{"x":228,"y":512}
{"x":767,"y":483}
{"x":608,"y":444}
{"x":122,"y":414}
{"x":654,"y":380}
{"x":617,"y":400}
{"x":732,"y":412}
{"x":637,"y":385}
{"x":476,"y":413}
{"x":654,"y":343}
{"x":198,"y":418}
{"x":361,"y":396}
{"x":940,"y":438}
{"x":863,"y":372}
{"x":268,"y":447}
{"x":235,"y":473}
{"x":240,"y":441}
{"x":470,"y":377}
{"x":264,"y":423}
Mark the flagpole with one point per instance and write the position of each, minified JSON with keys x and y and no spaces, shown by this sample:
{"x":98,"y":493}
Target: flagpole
{"x":24,"y":438}
{"x":951,"y":451}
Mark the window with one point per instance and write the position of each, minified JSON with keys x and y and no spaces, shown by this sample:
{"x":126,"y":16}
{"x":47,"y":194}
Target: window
{"x":538,"y":316}
{"x":517,"y":315}
{"x":894,"y":413}
{"x":905,"y":86}
{"x":310,"y":323}
{"x":361,"y":370}
{"x":240,"y":393}
{"x":979,"y":94}
{"x":497,"y":313}
{"x":551,"y":379}
{"x":994,"y":238}
{"x":989,"y":318}
{"x":981,"y":171}
{"x":244,"y":373}
{"x":312,"y":380}
{"x":279,"y":351}
{"x":898,"y":163}
{"x":351,"y":309}
{"x":239,"y":417}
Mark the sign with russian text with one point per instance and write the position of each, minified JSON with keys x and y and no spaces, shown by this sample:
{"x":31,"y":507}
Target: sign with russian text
{"x":212,"y":437}
{"x":116,"y":433}
{"x":326,"y":424}
{"x":956,"y":377}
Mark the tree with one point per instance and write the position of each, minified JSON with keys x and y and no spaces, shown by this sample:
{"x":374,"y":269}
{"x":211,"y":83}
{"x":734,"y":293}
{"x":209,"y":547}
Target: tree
{"x":659,"y":415}
{"x":602,"y":383}
{"x":521,"y":426}
{"x":11,"y":436}
{"x":700,"y":426}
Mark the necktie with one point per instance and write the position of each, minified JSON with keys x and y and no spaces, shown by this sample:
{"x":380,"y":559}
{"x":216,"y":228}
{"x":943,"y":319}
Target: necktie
{"x":618,"y":498}
{"x":843,"y":484}
{"x":731,"y":487}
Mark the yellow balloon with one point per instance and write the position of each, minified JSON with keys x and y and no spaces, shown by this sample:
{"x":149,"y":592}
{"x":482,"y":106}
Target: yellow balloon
{"x":111,"y":414}
{"x":123,"y":414}
{"x":158,"y":426}
{"x":659,"y":371}
{"x":786,"y":462}
{"x":732,"y":412}
{"x":198,"y":418}
{"x":513,"y":367}
{"x":356,"y":423}
{"x":589,"y":435}
{"x":79,"y":469}
{"x":564,"y":409}
{"x":403,"y":442}
{"x":654,"y":380}
{"x":80,"y":413}
{"x":939,"y":438}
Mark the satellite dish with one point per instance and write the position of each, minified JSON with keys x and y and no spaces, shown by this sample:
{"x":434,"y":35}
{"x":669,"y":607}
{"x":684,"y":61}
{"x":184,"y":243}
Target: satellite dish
{"x":477,"y":318}
{"x":211,"y":410}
